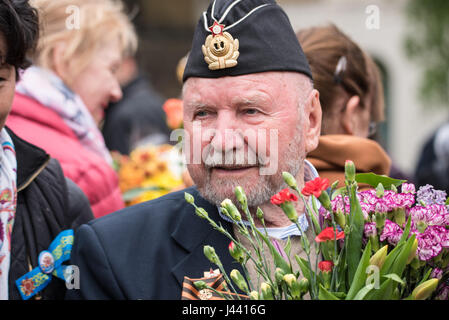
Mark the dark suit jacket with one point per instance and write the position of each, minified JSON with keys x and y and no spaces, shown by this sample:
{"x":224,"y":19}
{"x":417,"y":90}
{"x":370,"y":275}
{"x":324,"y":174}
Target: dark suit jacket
{"x":144,"y":252}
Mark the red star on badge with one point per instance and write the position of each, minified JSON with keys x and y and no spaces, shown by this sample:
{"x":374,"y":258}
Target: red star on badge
{"x":217,"y":29}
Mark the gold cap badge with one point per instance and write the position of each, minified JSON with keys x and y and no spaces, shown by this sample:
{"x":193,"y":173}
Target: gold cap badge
{"x":220,"y":50}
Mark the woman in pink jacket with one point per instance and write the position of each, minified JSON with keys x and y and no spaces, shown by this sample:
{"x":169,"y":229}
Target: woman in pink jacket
{"x":60,"y":100}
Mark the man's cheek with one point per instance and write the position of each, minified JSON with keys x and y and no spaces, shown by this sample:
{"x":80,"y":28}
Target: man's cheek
{"x":268,"y":152}
{"x":197,"y":173}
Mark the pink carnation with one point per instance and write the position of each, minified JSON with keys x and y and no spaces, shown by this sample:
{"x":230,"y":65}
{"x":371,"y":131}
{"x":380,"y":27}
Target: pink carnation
{"x":428,"y":245}
{"x":370,"y":229}
{"x":392,"y":232}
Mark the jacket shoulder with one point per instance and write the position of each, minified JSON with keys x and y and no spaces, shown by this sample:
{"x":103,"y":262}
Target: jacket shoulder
{"x":150,"y":217}
{"x":163,"y":208}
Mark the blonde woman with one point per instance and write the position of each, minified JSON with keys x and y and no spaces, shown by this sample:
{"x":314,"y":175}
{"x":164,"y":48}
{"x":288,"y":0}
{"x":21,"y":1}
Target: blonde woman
{"x":61,"y":99}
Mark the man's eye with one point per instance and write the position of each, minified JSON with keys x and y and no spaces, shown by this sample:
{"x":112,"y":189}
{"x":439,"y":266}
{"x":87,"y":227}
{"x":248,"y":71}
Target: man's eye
{"x":251,"y":111}
{"x":201,"y":113}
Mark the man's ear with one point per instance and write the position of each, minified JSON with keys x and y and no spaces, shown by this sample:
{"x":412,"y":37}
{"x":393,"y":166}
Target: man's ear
{"x":313,"y":120}
{"x":349,"y":115}
{"x":59,"y":63}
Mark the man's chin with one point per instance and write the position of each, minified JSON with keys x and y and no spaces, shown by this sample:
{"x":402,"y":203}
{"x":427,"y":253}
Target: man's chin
{"x":256,"y":192}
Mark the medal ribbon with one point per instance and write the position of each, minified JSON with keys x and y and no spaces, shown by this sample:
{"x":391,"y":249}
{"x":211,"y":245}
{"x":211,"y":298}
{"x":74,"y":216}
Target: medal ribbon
{"x":37,"y":279}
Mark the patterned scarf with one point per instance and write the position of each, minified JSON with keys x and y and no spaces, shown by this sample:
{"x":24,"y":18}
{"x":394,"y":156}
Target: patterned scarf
{"x":49,"y":90}
{"x":8,"y":201}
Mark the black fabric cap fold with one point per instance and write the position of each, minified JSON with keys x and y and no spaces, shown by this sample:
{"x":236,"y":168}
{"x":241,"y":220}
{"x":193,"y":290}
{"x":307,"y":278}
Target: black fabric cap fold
{"x":266,"y":37}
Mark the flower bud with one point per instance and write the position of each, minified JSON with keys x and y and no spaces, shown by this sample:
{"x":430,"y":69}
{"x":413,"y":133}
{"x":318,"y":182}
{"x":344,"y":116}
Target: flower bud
{"x":289,"y":180}
{"x":325,"y":200}
{"x":232,"y":210}
{"x":293,"y":285}
{"x":210,"y":254}
{"x":413,"y":251}
{"x":421,"y":226}
{"x":340,"y":218}
{"x":236,"y":252}
{"x":380,"y":190}
{"x":259,"y":214}
{"x":425,"y":289}
{"x":200,"y":285}
{"x":267,"y":293}
{"x":290,"y":211}
{"x":189,"y":198}
{"x":378,"y":259}
{"x":394,"y":189}
{"x":254,"y":295}
{"x":279,"y":275}
{"x":241,"y":197}
{"x":238,"y":279}
{"x":334,"y":185}
{"x":349,"y":171}
{"x":380,"y":220}
{"x":200,"y":212}
{"x":399,"y":216}
{"x":304,"y":285}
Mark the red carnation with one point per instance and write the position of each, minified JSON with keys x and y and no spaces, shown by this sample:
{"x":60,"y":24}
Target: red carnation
{"x":328,"y":234}
{"x":326,"y":266}
{"x":315,"y":187}
{"x":283,"y":196}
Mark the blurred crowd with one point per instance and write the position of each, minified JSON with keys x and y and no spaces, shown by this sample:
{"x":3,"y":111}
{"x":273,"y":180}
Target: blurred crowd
{"x":79,"y":96}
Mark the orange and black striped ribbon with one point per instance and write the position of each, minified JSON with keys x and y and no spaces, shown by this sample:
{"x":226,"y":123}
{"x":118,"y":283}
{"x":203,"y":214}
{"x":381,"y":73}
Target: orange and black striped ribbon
{"x":190,"y":292}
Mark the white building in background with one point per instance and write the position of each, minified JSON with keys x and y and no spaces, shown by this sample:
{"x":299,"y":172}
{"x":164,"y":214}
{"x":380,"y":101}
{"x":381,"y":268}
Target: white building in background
{"x":409,"y":122}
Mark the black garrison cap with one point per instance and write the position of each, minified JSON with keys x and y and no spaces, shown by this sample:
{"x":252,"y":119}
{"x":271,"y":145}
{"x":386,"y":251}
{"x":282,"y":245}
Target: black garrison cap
{"x":260,"y":32}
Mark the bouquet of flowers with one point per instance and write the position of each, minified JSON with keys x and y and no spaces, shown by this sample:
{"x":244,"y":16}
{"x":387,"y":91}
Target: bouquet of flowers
{"x":150,"y":172}
{"x":378,"y":244}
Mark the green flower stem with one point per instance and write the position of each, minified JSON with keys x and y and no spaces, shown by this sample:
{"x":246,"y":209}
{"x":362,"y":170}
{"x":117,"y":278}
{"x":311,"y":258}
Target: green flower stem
{"x":265,"y":272}
{"x":257,"y":248}
{"x":247,"y":252}
{"x":308,"y":211}
{"x":225,"y":275}
{"x":307,"y":251}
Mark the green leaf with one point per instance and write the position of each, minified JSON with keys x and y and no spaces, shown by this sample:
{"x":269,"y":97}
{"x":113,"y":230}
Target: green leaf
{"x":406,"y":232}
{"x":363,"y":292}
{"x":373,"y":180}
{"x":394,"y":277}
{"x":353,"y":240}
{"x":304,"y":266}
{"x":426,"y":276}
{"x":360,"y":274}
{"x":288,"y":247}
{"x":401,"y":261}
{"x":339,"y":191}
{"x":278,"y":260}
{"x":383,"y":293}
{"x":324,"y":294}
{"x":389,"y":261}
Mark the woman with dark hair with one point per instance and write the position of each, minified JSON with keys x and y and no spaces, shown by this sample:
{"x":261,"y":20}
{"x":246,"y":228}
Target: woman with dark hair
{"x":38,"y":206}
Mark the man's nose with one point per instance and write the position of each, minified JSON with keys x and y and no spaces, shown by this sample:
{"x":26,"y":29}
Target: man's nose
{"x":116,"y":93}
{"x":227,"y":133}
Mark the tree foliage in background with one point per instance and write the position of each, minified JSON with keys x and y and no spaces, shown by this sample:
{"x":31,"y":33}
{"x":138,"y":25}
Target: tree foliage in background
{"x":427,"y":43}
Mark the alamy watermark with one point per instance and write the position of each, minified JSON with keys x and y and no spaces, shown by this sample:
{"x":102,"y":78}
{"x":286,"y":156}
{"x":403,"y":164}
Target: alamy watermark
{"x":73,"y":21}
{"x":372,"y":21}
{"x":230,"y":148}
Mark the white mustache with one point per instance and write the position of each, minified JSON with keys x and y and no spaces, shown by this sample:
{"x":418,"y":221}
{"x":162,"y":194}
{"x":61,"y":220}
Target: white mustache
{"x":233,"y":159}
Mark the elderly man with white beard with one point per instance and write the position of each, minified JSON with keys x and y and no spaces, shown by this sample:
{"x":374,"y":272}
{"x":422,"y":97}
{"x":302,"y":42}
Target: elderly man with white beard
{"x":250,"y":113}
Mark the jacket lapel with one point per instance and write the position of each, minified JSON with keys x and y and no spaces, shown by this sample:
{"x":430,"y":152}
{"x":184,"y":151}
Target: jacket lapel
{"x":193,"y":233}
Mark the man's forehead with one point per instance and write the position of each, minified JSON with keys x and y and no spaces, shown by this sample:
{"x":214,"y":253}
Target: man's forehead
{"x":277,"y":80}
